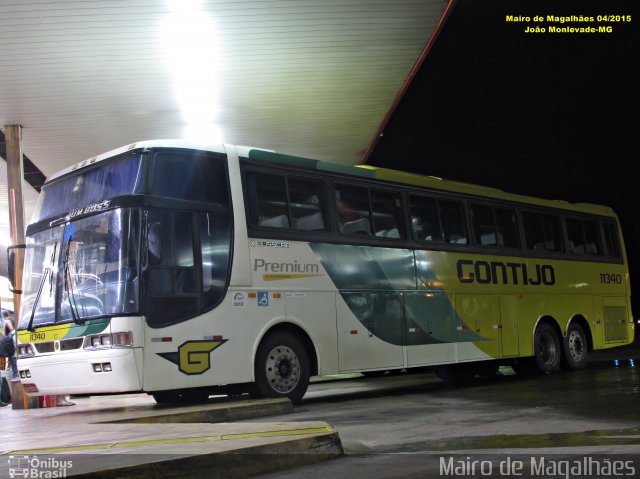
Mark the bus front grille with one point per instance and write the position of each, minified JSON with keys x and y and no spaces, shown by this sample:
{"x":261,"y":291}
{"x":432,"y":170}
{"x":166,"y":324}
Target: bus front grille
{"x":64,"y":345}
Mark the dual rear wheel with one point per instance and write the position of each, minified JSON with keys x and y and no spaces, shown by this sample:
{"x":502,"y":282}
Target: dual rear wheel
{"x":551,"y":352}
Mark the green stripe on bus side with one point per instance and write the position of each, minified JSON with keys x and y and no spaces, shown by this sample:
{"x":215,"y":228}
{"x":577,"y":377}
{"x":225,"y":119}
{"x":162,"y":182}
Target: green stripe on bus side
{"x":287,"y":160}
{"x":91,"y":327}
{"x":379,"y":287}
{"x":301,"y":162}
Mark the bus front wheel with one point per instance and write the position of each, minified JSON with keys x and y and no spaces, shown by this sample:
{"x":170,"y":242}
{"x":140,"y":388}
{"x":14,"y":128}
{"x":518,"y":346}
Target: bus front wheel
{"x":575,"y":348}
{"x":547,"y":348}
{"x":281,"y":368}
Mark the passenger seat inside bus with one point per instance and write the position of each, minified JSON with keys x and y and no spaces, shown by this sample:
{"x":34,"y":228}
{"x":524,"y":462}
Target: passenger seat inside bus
{"x":309,"y":222}
{"x":276,"y":222}
{"x":359,"y":226}
{"x":392,"y":233}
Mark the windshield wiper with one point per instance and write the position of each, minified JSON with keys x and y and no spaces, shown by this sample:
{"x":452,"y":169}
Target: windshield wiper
{"x":30,"y":327}
{"x":68,"y":287}
{"x":47,"y":271}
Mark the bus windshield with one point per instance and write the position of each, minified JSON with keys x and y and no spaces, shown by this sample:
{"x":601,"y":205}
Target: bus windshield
{"x":89,"y":264}
{"x":87,"y":187}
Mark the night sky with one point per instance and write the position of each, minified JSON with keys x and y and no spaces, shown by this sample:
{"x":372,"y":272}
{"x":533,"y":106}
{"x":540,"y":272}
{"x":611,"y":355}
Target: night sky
{"x":553,"y":115}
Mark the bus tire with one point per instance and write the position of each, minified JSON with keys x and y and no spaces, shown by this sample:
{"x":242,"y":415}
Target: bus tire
{"x":575,"y":348}
{"x":281,"y":368}
{"x":547,"y":349}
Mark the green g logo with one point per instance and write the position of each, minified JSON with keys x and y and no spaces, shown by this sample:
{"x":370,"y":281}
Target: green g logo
{"x":193,"y":357}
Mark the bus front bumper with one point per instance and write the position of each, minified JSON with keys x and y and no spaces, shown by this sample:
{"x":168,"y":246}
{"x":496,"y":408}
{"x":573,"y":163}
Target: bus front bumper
{"x":90,"y":372}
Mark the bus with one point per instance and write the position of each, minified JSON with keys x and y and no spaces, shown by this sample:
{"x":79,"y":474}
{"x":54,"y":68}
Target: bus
{"x":183,"y":270}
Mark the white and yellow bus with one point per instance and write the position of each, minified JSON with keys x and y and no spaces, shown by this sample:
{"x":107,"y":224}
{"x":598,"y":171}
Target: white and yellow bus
{"x":178,"y":269}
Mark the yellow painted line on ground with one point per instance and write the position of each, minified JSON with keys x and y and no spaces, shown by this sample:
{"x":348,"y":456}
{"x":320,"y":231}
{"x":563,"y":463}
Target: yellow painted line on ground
{"x":179,"y":440}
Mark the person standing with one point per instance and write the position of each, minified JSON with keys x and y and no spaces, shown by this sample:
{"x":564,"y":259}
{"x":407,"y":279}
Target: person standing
{"x":9,"y":326}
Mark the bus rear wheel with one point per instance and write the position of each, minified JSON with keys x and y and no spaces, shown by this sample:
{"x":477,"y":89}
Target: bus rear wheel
{"x":281,"y":368}
{"x":546,"y":348}
{"x":575,"y":348}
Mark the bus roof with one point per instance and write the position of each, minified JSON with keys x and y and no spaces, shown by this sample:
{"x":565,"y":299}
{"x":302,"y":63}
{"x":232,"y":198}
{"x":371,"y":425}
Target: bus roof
{"x":140,"y":145}
{"x":363,"y":171}
{"x":432,"y":182}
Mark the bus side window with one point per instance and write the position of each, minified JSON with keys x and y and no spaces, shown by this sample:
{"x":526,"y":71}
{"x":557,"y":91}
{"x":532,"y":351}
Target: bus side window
{"x":154,"y":241}
{"x":553,"y":239}
{"x":611,"y":240}
{"x":352,"y":204}
{"x":592,"y":244}
{"x":424,"y":218}
{"x":215,"y":241}
{"x":194,"y":176}
{"x":171,"y":280}
{"x":306,"y":201}
{"x":542,"y":232}
{"x":533,"y":230}
{"x":575,"y":235}
{"x":507,"y":228}
{"x":386,"y":209}
{"x":454,"y":226}
{"x":267,"y":200}
{"x":484,"y":227}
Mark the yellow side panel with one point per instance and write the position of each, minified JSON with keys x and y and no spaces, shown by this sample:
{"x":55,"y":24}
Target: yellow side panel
{"x":481,"y":313}
{"x":509,"y":323}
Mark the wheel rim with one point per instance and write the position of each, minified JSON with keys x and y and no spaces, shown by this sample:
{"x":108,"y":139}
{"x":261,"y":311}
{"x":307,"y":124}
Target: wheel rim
{"x":282,"y":369}
{"x":547,"y":349}
{"x":576,"y":346}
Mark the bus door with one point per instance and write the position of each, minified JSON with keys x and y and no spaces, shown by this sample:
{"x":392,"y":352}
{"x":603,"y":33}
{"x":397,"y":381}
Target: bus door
{"x":509,"y":326}
{"x":370,"y":330}
{"x":430,"y":328}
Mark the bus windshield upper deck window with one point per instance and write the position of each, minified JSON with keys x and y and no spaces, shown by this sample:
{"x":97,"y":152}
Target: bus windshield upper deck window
{"x":189,"y":175}
{"x":106,"y":179}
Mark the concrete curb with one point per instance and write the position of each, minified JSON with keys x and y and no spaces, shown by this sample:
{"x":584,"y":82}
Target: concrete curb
{"x":148,"y":441}
{"x":239,"y":463}
{"x":210,"y":413}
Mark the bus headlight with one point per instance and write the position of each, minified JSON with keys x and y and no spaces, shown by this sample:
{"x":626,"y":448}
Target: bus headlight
{"x":124,"y":339}
{"x":25,"y":351}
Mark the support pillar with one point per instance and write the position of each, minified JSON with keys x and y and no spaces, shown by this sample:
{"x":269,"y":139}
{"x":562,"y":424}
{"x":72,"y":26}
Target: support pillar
{"x":15,"y":175}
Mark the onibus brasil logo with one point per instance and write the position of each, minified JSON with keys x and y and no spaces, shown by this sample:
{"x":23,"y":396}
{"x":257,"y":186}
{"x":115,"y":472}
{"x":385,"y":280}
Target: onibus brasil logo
{"x":38,"y":467}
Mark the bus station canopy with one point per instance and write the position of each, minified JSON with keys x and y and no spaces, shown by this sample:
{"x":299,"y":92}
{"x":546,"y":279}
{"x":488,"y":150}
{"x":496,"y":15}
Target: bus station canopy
{"x":304,"y":77}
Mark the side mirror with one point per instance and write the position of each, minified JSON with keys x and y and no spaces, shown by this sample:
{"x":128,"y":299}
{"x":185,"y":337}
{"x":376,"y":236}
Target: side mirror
{"x":11,"y":266}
